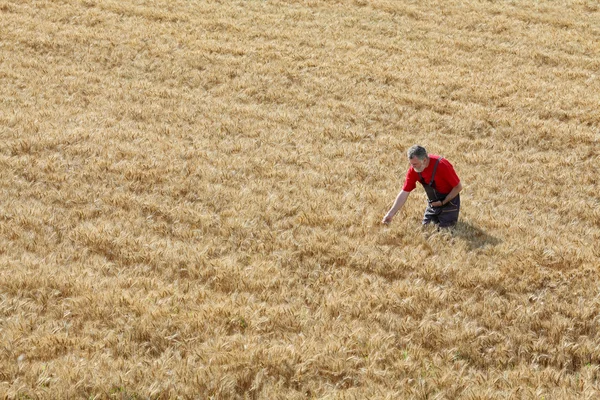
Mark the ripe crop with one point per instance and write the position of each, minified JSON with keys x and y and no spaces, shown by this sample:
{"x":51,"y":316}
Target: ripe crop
{"x":191,"y":195}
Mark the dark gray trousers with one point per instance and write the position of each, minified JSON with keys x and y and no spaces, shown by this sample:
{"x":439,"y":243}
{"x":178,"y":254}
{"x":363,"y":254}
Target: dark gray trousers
{"x":445,"y":216}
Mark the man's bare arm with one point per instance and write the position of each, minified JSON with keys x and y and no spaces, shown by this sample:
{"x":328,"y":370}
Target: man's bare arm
{"x":400,"y":200}
{"x":453,"y":193}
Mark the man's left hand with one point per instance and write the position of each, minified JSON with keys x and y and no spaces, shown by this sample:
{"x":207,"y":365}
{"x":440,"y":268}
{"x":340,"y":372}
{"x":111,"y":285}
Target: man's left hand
{"x":436,"y":204}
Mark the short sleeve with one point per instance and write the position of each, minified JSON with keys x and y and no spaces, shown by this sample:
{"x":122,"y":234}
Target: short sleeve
{"x":410,"y":182}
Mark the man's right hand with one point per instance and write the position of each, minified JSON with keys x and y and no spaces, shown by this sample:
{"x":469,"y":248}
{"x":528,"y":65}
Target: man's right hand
{"x":387,"y":219}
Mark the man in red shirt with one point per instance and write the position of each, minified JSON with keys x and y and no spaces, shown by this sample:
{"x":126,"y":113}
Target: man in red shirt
{"x":442,"y":185}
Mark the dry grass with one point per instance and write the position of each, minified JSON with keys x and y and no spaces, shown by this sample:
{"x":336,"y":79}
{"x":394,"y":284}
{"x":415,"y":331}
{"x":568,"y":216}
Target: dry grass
{"x":190,"y":197}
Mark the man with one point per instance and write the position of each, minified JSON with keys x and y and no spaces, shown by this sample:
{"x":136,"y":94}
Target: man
{"x":441,"y":184}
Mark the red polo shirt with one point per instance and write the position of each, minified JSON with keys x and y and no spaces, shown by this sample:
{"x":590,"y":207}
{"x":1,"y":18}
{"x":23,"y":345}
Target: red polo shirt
{"x":445,"y":176}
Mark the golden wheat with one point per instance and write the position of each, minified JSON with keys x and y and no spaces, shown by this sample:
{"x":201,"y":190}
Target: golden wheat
{"x":190,"y":197}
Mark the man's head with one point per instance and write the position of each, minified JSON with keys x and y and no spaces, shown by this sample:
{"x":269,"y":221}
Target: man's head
{"x":417,"y":156}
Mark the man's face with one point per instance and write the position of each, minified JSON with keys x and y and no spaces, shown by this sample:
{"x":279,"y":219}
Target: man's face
{"x":418,"y":164}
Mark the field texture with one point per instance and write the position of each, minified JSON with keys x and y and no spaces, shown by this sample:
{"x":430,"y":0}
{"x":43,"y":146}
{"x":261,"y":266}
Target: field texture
{"x":191,"y":195}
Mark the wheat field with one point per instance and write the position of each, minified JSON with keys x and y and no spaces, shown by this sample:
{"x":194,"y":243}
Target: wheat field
{"x":191,"y":195}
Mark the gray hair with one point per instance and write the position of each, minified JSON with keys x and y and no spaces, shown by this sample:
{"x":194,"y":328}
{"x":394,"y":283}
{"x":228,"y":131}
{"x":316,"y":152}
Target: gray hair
{"x":417,"y":151}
